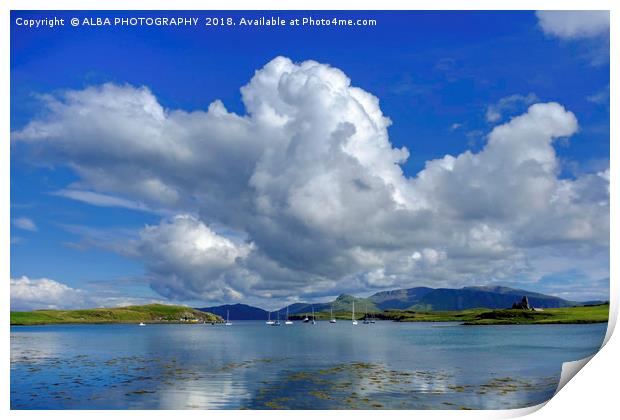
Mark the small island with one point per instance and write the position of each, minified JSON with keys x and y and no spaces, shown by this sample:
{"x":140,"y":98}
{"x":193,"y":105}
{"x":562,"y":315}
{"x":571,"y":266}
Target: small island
{"x":588,"y":314}
{"x":152,"y":313}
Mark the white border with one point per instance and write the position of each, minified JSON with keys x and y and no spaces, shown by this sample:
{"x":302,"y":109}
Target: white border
{"x":593,"y":394}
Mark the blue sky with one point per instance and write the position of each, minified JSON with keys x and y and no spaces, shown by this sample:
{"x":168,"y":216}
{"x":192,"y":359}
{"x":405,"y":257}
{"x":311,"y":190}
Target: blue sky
{"x":438,"y":76}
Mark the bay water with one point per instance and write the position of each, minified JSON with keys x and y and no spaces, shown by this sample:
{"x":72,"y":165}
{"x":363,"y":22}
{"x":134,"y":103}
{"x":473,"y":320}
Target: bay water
{"x":251,"y":365}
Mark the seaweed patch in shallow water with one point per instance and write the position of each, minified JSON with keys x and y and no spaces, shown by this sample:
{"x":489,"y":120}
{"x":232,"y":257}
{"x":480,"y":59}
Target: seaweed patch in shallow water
{"x":373,"y":386}
{"x":354,"y":385}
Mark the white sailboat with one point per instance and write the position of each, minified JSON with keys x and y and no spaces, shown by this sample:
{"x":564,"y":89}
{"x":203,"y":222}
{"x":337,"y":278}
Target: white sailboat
{"x":142,"y":324}
{"x":269,"y":321}
{"x":366,"y":319}
{"x":277,"y":323}
{"x":288,"y":321}
{"x":228,"y":323}
{"x":353,"y":320}
{"x":332,"y":320}
{"x":313,"y":320}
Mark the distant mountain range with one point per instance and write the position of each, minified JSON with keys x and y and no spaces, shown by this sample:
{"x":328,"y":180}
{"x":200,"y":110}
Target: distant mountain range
{"x":237,"y":311}
{"x":417,"y":298}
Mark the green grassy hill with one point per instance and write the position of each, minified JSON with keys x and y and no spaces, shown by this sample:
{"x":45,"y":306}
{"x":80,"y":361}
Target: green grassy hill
{"x":153,"y":313}
{"x":484,"y":316}
{"x":576,"y":315}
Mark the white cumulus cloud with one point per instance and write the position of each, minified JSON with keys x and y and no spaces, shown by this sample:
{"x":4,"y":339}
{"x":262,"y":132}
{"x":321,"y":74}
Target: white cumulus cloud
{"x":45,"y":293}
{"x":188,"y":259}
{"x":304,"y":194}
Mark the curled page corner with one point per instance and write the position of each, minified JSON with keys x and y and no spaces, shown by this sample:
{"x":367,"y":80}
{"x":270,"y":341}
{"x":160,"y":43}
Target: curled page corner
{"x":612,"y":317}
{"x":521,"y":412}
{"x":570,"y":369}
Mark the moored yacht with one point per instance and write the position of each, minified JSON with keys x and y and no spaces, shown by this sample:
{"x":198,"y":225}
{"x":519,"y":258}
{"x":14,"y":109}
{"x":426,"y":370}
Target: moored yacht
{"x":288,"y":321}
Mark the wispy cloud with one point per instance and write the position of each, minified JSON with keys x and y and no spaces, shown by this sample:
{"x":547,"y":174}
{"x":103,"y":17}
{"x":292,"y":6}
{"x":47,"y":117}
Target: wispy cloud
{"x":601,"y":97}
{"x":118,"y":240}
{"x":512,"y":103}
{"x":455,"y":126}
{"x":101,"y":200}
{"x":25,"y":223}
{"x":588,"y":28}
{"x":574,"y":24}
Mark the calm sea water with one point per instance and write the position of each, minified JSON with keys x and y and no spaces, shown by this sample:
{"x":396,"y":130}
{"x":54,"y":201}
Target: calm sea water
{"x":327,"y":366}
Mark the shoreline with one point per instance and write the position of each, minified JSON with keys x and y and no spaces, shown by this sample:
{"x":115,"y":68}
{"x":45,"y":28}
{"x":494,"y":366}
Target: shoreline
{"x":151,"y":314}
{"x":567,"y":316}
{"x":468,"y":324}
{"x":169,"y":314}
{"x":36,"y":324}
